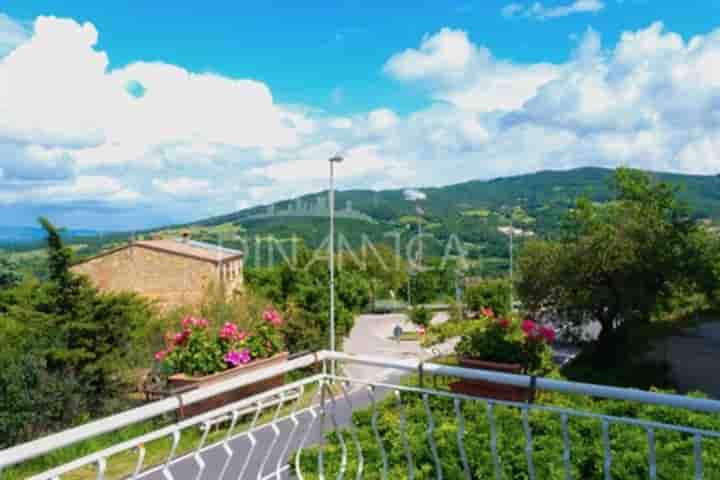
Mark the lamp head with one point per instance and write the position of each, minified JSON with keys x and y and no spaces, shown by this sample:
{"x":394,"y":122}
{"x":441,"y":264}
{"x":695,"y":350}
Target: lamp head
{"x":336,"y":159}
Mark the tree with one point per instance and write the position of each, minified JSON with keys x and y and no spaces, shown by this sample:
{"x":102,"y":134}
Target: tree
{"x":63,"y":332}
{"x":493,"y":294}
{"x":301,"y":290}
{"x":9,"y":273}
{"x":616,"y":261}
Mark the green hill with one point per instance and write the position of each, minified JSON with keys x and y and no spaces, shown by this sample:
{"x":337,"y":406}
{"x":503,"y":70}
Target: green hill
{"x":540,"y":194}
{"x":472,"y":211}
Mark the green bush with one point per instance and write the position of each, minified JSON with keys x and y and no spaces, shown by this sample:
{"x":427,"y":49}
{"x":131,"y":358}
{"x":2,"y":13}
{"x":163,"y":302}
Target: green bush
{"x":510,"y":341}
{"x":452,"y":328}
{"x":301,"y":292}
{"x":67,"y":348}
{"x":420,"y":316}
{"x":494,"y":294}
{"x":629,"y":445}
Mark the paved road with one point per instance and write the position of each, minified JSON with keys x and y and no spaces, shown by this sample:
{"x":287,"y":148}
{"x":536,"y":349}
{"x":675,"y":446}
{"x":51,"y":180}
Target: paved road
{"x":268,"y":451}
{"x":370,"y":336}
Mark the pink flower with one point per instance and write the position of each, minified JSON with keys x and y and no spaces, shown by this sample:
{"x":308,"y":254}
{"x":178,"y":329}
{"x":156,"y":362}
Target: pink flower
{"x":181,"y":337}
{"x":241,"y":335}
{"x":187,"y":322}
{"x":160,"y":356}
{"x":531,"y":329}
{"x":504,"y":322}
{"x":548,"y":333}
{"x":235,"y":358}
{"x":487,"y":312}
{"x":273,"y":317}
{"x":528,"y":326}
{"x":200,"y":322}
{"x":229,"y":331}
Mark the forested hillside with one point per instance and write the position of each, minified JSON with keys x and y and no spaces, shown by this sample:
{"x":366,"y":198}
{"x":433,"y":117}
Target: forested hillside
{"x":473,"y":212}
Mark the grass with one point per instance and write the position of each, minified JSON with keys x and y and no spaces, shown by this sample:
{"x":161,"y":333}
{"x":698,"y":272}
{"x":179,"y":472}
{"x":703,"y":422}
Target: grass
{"x":481,"y":212}
{"x":452,"y":328}
{"x":407,"y":337}
{"x":123,"y":464}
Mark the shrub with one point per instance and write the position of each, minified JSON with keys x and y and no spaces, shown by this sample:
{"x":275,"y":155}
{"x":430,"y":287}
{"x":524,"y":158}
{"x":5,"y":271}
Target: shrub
{"x":420,"y":316}
{"x":629,"y":444}
{"x":438,"y":333}
{"x":66,"y":348}
{"x":509,"y":341}
{"x":200,"y":350}
{"x":493,"y":294}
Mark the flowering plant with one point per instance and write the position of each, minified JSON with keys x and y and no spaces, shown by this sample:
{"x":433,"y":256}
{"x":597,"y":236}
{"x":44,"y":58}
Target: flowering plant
{"x":505,"y":340}
{"x":199,"y":350}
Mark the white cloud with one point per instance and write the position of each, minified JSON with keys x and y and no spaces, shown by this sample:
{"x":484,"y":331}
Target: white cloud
{"x":382,"y":120}
{"x":340,"y":123}
{"x":35,"y":163}
{"x":652,"y":100}
{"x":92,"y":122}
{"x":97,"y":190}
{"x":311,"y":164}
{"x":87,"y":107}
{"x":538,"y":11}
{"x":184,"y":187}
{"x":457,"y":71}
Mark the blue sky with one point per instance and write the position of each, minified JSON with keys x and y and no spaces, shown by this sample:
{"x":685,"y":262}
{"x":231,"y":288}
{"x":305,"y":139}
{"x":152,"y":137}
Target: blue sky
{"x":304,"y":50}
{"x":243,"y":102}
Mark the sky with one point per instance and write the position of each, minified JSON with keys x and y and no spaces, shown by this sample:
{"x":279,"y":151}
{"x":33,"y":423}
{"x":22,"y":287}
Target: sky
{"x":126,"y":115}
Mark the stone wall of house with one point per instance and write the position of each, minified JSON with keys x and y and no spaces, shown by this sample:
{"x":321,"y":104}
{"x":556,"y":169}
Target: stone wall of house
{"x":232,"y":275}
{"x":170,"y":279}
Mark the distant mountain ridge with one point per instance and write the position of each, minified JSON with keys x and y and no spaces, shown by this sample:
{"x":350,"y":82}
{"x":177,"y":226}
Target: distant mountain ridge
{"x":534,"y":192}
{"x":476,"y":212}
{"x":18,"y":235}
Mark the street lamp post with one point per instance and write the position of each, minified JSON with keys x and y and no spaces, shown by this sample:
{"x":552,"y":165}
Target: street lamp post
{"x":512,"y":232}
{"x":331,"y":259}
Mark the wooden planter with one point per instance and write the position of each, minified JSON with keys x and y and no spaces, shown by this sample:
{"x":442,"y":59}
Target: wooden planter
{"x":485,"y":389}
{"x":186,"y":382}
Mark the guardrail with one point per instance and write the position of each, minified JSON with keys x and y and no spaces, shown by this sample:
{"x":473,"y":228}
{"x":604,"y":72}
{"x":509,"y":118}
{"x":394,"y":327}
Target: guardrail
{"x":285,"y":422}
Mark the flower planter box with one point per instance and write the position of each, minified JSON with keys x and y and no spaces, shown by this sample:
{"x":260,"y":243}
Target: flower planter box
{"x":485,"y":389}
{"x":186,"y":382}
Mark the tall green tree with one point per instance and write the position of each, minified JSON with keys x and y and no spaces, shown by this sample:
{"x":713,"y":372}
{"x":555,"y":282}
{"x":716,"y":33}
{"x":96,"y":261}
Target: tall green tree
{"x":9,"y":273}
{"x":66,"y":347}
{"x":616,"y":261}
{"x":301,"y":288}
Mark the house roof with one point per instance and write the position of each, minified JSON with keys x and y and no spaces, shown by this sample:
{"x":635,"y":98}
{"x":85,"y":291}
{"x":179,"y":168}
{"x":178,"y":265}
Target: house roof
{"x":192,"y":248}
{"x":185,"y":248}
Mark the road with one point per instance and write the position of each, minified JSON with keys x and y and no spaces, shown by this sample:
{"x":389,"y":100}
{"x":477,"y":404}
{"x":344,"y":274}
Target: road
{"x":268,"y":444}
{"x":371,"y":335}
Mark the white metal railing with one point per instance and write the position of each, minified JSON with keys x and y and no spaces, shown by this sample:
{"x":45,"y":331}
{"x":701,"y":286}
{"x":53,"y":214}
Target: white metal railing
{"x":267,"y":435}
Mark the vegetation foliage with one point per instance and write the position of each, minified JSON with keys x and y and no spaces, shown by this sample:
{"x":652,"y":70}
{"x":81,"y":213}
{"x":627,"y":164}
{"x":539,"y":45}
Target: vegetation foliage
{"x":67,"y":348}
{"x":628,"y":444}
{"x":617,"y":263}
{"x":494,"y":294}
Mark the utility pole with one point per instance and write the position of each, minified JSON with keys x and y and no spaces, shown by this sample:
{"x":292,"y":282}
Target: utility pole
{"x":409,"y":280}
{"x":331,"y":259}
{"x":512,"y":232}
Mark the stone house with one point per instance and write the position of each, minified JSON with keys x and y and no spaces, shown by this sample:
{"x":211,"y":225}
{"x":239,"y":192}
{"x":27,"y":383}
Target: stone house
{"x":171,"y":271}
